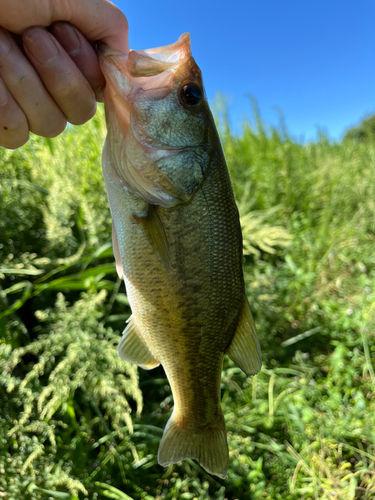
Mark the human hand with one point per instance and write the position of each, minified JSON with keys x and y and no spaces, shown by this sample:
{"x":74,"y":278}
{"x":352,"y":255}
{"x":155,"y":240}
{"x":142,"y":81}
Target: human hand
{"x":56,"y":78}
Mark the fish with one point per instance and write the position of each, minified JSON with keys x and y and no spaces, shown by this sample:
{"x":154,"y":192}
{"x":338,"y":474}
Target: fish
{"x":177,"y":242}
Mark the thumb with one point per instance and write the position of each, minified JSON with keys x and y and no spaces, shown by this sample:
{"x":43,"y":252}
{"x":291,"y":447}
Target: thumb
{"x":96,"y":19}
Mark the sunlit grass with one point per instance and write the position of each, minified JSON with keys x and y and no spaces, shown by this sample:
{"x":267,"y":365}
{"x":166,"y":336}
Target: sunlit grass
{"x":302,"y":428}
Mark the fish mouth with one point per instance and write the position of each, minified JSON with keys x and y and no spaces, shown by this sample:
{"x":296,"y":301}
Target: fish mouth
{"x":149,"y":62}
{"x":156,"y":72}
{"x":152,"y":62}
{"x":132,"y":71}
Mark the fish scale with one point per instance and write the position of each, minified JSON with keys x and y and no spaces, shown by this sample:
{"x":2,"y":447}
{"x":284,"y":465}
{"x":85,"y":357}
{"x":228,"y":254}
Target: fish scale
{"x":177,"y":241}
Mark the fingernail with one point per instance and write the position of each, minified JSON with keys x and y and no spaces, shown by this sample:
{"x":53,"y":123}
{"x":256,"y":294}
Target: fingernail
{"x":4,"y":95}
{"x":4,"y":43}
{"x":41,"y":45}
{"x":67,"y":36}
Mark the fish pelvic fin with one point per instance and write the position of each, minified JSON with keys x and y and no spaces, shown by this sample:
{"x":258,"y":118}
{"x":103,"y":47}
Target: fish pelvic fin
{"x":156,"y":235}
{"x":116,"y":252}
{"x":244,"y":348}
{"x":133,"y":348}
{"x":207,"y":444}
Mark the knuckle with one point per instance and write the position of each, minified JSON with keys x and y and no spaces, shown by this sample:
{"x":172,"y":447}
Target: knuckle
{"x":49,"y":128}
{"x":84,"y":115}
{"x":123,"y":20}
{"x":14,"y":129}
{"x":13,"y":140}
{"x":64,"y":88}
{"x":6,"y":44}
{"x":75,"y":97}
{"x":56,"y":130}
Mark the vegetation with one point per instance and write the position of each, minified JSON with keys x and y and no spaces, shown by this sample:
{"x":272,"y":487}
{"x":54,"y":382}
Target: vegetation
{"x":78,"y":423}
{"x":363,"y":132}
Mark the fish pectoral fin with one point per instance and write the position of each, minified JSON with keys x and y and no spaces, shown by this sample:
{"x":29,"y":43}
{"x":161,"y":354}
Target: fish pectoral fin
{"x":132,"y":348}
{"x":116,"y":252}
{"x":156,"y":235}
{"x":244,"y":348}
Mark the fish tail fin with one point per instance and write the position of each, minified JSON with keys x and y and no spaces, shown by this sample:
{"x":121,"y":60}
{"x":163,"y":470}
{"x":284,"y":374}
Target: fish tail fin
{"x":208,"y":445}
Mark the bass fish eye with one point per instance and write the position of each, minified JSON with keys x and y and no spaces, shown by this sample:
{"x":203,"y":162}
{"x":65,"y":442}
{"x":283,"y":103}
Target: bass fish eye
{"x":190,"y":94}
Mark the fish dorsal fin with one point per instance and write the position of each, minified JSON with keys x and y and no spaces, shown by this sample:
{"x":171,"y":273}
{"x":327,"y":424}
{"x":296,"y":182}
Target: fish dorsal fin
{"x":156,"y":235}
{"x":244,"y":349}
{"x":116,"y":252}
{"x":132,"y":348}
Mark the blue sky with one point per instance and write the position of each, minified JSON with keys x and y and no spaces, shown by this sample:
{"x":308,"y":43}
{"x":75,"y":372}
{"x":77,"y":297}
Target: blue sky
{"x":313,"y":59}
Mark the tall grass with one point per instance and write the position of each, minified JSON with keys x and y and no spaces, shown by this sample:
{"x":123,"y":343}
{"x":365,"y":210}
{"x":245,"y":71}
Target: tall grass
{"x":71,"y":419}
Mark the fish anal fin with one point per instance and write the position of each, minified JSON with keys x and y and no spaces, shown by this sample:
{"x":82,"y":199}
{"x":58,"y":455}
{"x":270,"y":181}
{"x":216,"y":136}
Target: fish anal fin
{"x":116,"y":252}
{"x":244,"y":348}
{"x":156,"y":235}
{"x":206,"y":444}
{"x":132,"y":348}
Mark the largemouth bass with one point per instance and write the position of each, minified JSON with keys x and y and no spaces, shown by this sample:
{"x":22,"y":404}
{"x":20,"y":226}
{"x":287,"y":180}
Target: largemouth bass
{"x":177,"y":241}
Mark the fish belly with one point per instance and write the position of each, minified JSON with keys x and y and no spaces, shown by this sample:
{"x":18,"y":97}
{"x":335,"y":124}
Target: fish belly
{"x":187,"y":316}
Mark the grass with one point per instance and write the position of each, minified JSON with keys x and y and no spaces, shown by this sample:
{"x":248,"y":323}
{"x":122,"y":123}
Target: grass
{"x":71,"y":419}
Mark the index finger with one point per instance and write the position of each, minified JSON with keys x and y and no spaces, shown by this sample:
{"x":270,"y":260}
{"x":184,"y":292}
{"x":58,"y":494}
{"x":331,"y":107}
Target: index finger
{"x":96,"y":19}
